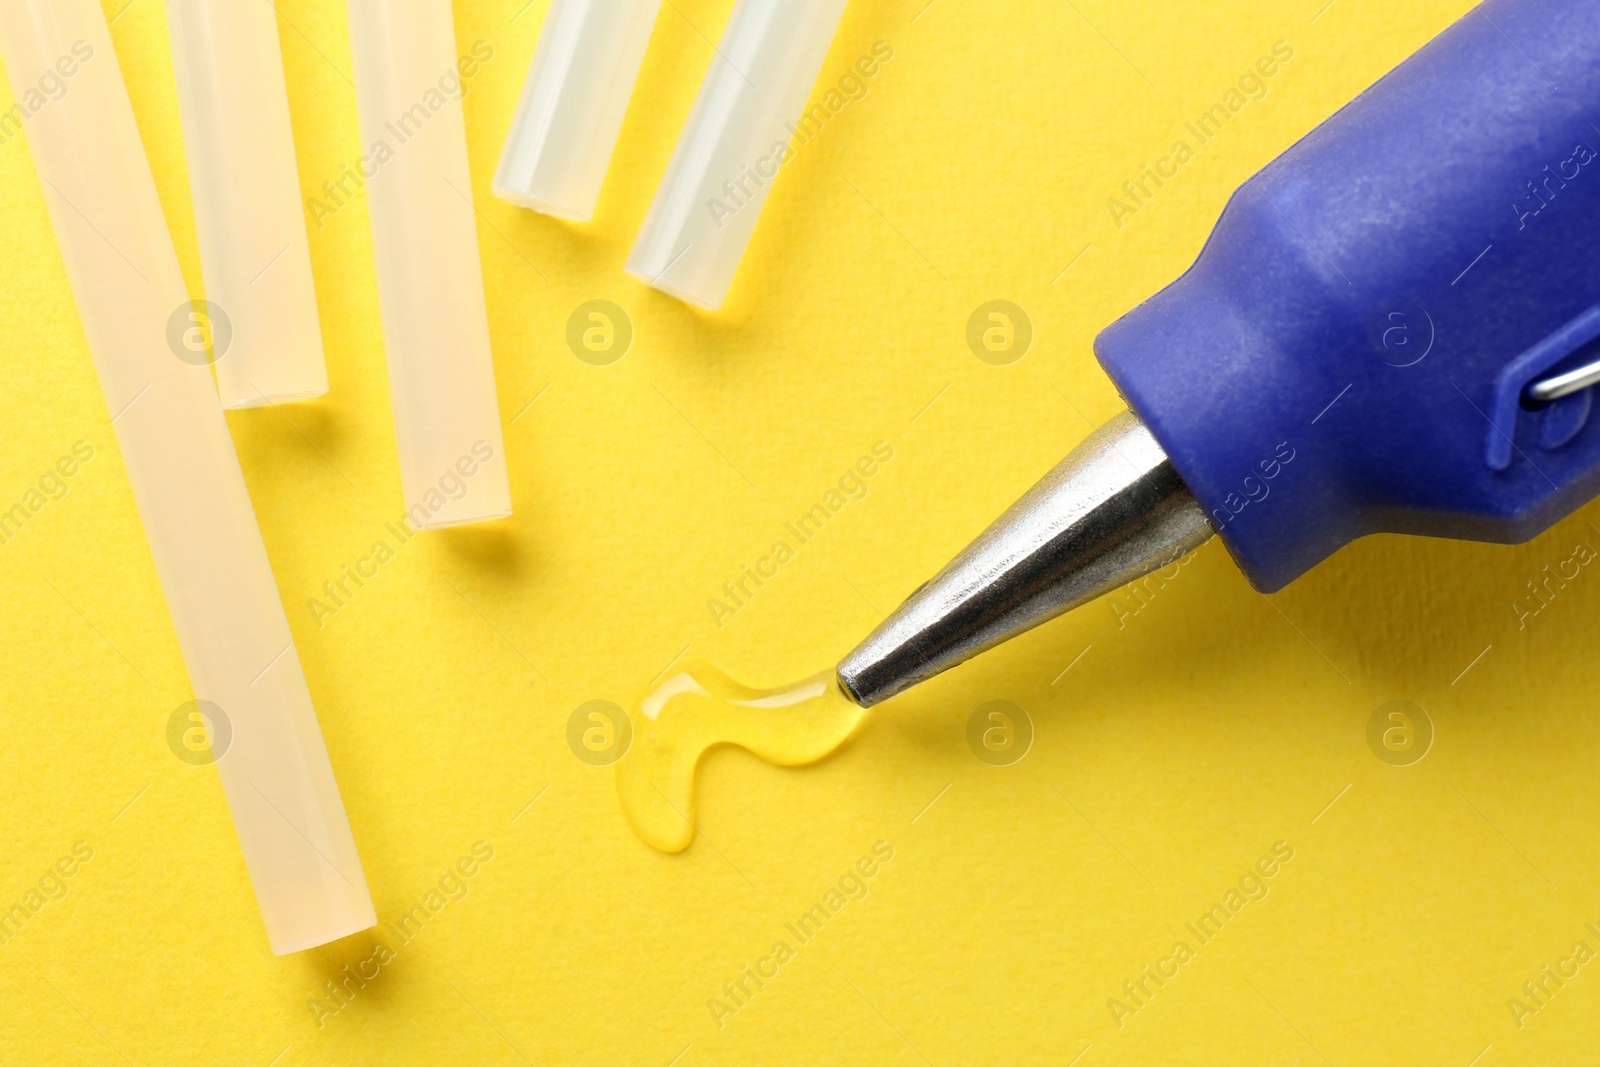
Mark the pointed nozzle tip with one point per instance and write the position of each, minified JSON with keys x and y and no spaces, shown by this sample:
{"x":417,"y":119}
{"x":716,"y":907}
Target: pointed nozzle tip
{"x":844,"y":678}
{"x":1112,"y":511}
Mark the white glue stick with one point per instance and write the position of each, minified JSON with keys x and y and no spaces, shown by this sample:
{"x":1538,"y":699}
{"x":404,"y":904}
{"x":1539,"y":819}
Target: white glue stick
{"x":186,"y":481}
{"x":572,"y":105}
{"x":253,"y":251}
{"x":425,"y":246}
{"x":730,"y":151}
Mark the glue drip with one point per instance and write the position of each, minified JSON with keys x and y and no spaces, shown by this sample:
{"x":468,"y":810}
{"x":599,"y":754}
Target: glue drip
{"x":697,"y":707}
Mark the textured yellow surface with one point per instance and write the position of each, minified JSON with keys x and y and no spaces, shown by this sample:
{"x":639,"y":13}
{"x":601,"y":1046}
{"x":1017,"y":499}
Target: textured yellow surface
{"x":1189,"y":739}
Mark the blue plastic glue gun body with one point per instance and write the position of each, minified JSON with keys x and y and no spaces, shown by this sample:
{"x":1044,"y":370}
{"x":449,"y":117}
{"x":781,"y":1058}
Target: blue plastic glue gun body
{"x":1377,"y":303}
{"x":1394,"y":327}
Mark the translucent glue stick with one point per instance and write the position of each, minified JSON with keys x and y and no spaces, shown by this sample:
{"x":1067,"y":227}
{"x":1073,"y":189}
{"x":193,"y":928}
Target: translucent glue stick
{"x":572,"y":105}
{"x":425,"y":247}
{"x":186,"y":481}
{"x":248,"y":219}
{"x":736,"y":139}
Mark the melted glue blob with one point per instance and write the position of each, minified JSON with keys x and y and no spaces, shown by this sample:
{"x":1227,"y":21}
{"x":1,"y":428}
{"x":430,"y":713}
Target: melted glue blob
{"x":698,"y":706}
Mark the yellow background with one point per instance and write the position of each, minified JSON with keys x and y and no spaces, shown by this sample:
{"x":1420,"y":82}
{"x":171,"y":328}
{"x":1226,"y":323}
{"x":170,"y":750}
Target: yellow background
{"x":1168,"y":759}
